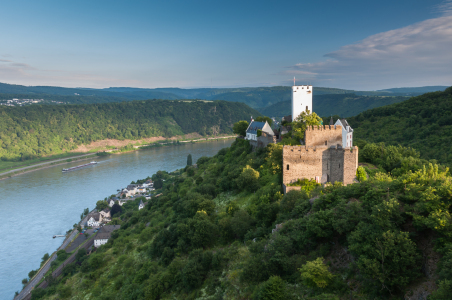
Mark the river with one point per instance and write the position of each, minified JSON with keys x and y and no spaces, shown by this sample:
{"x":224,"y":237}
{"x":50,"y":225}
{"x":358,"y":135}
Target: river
{"x":37,"y":205}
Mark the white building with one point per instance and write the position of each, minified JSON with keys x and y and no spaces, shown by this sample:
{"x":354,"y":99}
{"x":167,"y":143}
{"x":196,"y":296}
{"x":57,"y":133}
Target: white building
{"x":347,"y":133}
{"x":141,"y":206}
{"x":251,"y":131}
{"x":94,"y":220}
{"x":301,"y":99}
{"x":104,"y":234}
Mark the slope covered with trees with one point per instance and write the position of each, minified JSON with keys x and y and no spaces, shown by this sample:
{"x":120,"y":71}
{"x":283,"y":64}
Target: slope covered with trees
{"x":423,"y":122}
{"x":224,"y":230}
{"x":39,"y":130}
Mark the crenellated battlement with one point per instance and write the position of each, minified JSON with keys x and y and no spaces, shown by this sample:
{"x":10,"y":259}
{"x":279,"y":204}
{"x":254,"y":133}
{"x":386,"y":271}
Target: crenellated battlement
{"x":324,"y":128}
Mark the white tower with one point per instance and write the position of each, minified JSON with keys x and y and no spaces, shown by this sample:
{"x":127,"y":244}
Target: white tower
{"x":301,"y":99}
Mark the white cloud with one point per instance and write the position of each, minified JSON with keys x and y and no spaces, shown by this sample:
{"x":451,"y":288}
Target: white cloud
{"x":445,"y":8}
{"x":416,"y":55}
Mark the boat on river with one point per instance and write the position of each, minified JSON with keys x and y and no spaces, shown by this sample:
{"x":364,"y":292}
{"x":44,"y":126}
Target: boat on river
{"x":81,"y":166}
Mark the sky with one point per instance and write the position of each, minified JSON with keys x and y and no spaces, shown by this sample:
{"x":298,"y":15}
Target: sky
{"x":350,"y":44}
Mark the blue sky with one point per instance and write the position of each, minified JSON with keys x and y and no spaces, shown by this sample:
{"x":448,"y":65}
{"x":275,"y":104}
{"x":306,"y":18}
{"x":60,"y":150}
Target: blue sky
{"x":364,"y":45}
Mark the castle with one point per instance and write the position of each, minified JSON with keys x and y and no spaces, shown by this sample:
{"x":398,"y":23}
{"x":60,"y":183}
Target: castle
{"x":328,"y":154}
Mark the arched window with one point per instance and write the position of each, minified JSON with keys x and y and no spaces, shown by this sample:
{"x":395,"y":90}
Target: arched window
{"x":287,"y":167}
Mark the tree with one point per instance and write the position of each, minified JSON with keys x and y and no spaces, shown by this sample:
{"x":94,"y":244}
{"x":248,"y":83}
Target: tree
{"x":265,"y":119}
{"x":301,"y":122}
{"x":272,"y":289}
{"x":158,"y":184}
{"x":115,"y":209}
{"x":44,"y":258}
{"x":24,"y":281}
{"x":361,"y":174}
{"x":240,"y":128}
{"x":315,"y":274}
{"x":189,"y":160}
{"x":86,"y":211}
{"x":32,"y":273}
{"x":101,"y":204}
{"x":248,"y":179}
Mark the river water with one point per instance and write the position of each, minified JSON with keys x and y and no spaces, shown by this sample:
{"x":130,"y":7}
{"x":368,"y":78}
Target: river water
{"x":37,"y":205}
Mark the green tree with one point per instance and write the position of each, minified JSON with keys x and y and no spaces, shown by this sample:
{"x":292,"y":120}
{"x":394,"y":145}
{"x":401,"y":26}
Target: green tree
{"x":115,"y":209}
{"x":361,"y":174}
{"x":24,"y":281}
{"x":158,"y":184}
{"x":300,"y":124}
{"x":248,"y":179}
{"x":272,"y":289}
{"x":32,"y":273}
{"x":315,"y":274}
{"x":265,"y":119}
{"x":101,"y":204}
{"x":44,"y":258}
{"x":240,"y":127}
{"x":189,"y":160}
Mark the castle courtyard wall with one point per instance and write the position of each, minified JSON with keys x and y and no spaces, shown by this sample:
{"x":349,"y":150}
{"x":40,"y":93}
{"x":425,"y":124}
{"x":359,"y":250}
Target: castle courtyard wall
{"x":329,"y":135}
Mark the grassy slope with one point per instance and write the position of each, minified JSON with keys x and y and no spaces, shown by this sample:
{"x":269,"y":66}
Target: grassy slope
{"x":423,"y":122}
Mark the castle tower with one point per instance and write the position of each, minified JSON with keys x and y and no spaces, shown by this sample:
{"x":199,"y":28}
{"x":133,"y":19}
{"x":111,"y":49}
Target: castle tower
{"x":301,"y":99}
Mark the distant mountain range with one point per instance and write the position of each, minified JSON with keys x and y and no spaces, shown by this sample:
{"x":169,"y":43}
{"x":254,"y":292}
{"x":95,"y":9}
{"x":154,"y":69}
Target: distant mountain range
{"x":271,"y":101}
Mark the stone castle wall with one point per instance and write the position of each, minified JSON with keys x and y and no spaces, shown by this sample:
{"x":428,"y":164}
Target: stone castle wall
{"x":329,"y":164}
{"x":329,"y":135}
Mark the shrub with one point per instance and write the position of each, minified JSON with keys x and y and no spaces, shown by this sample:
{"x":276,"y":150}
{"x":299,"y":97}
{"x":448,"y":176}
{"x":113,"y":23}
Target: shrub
{"x":315,"y":274}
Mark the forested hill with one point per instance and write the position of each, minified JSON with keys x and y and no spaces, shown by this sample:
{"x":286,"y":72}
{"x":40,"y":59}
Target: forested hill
{"x":423,"y":122}
{"x":253,"y":96}
{"x":343,"y":105}
{"x":224,"y":230}
{"x":39,"y":130}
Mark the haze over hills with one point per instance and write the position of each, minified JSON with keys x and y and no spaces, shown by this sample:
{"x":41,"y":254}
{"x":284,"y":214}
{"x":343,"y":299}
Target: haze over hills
{"x":255,"y":97}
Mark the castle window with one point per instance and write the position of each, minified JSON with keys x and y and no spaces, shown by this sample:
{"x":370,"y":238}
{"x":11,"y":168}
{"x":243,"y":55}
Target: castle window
{"x":287,"y":167}
{"x":306,"y":108}
{"x":326,"y":143}
{"x":339,"y":166}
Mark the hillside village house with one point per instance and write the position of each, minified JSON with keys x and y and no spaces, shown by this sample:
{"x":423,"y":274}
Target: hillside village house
{"x":105,"y":213}
{"x":94,"y":220}
{"x":141,"y":206}
{"x":104,"y":234}
{"x":260,"y":134}
{"x":347,"y":132}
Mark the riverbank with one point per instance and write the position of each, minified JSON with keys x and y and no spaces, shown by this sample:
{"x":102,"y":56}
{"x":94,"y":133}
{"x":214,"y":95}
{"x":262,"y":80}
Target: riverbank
{"x":39,"y":165}
{"x":49,"y":202}
{"x":45,"y":165}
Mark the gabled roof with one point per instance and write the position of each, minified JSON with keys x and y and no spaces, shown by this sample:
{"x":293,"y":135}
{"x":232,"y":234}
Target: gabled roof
{"x":344,"y":124}
{"x":95,"y":216}
{"x":254,"y":126}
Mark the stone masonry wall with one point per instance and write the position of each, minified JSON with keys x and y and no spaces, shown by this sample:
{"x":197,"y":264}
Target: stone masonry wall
{"x":330,"y":164}
{"x":350,"y":164}
{"x":318,"y":135}
{"x":304,"y":162}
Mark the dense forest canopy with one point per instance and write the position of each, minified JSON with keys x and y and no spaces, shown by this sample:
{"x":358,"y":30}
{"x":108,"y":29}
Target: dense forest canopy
{"x":423,"y":122}
{"x":224,"y":230}
{"x":39,"y":130}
